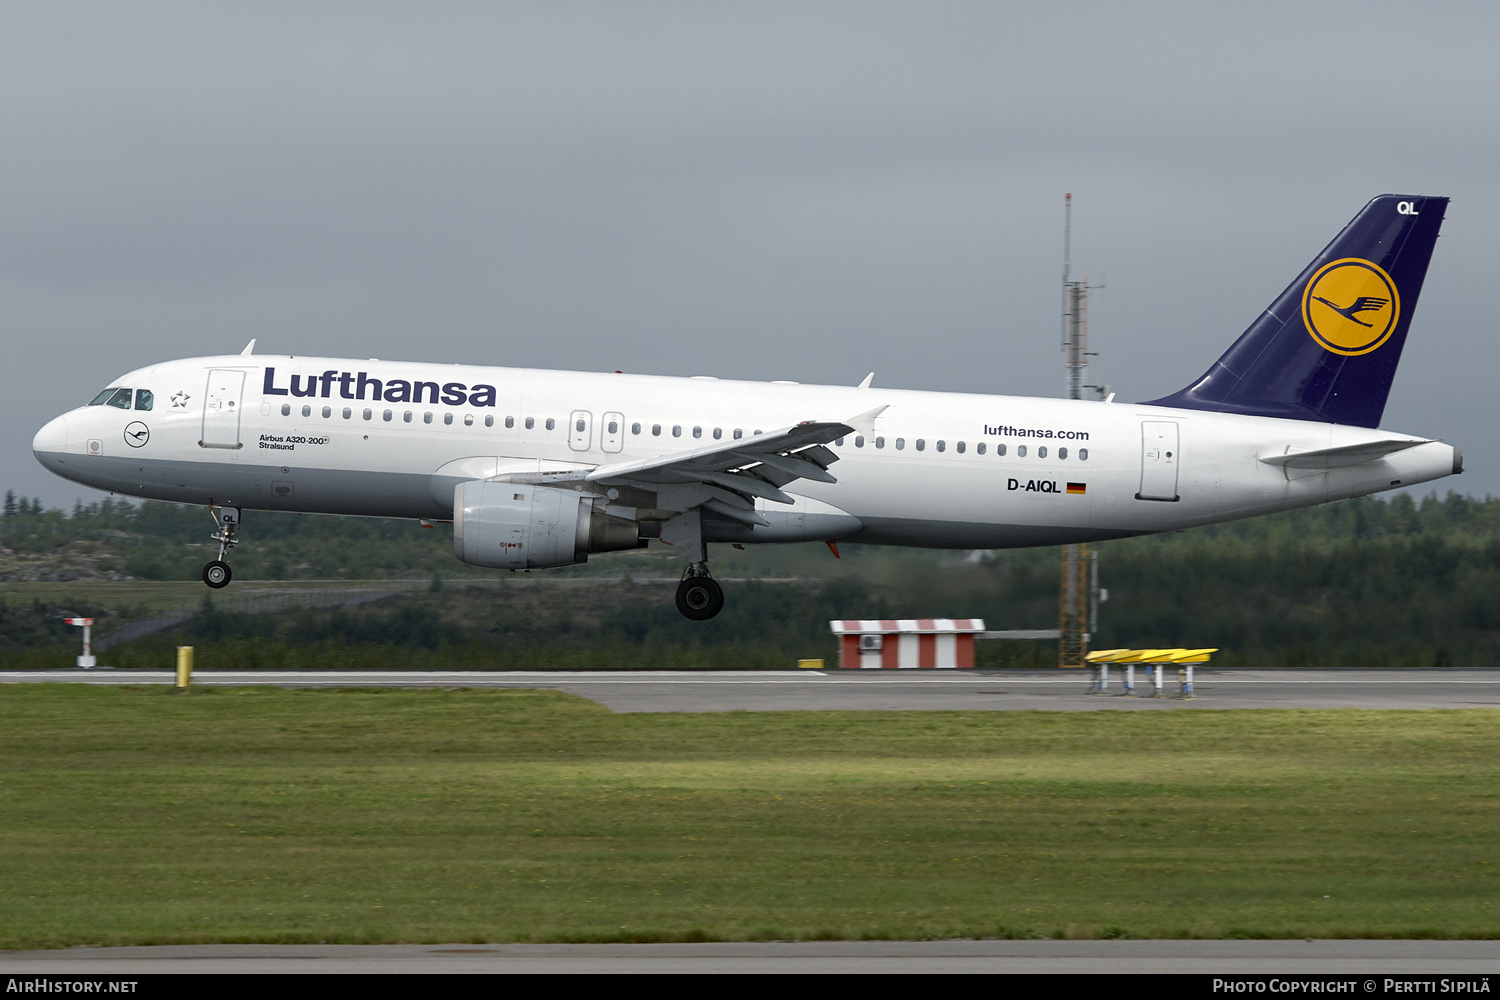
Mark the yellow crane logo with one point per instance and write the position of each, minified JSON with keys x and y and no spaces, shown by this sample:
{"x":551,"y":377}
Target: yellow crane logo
{"x":1351,"y":306}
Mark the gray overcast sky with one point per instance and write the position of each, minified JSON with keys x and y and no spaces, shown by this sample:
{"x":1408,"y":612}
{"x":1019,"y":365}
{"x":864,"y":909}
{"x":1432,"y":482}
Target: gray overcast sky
{"x":759,"y":190}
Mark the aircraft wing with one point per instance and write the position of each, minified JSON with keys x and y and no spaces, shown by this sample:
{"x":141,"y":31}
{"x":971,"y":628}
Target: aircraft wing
{"x":728,"y":477}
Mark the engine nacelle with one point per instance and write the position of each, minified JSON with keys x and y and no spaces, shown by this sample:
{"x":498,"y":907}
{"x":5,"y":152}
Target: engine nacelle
{"x":513,"y":526}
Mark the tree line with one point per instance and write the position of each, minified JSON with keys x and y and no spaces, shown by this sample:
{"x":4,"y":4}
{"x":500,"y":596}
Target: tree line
{"x":1388,"y":582}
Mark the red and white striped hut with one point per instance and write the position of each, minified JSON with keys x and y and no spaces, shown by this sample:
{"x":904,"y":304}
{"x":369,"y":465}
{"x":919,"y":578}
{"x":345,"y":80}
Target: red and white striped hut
{"x":907,"y":642}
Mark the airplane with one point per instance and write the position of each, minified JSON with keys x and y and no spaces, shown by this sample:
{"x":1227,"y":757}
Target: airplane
{"x":538,"y":469}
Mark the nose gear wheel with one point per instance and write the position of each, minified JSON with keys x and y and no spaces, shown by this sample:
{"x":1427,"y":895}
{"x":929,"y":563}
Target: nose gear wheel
{"x":217,"y":574}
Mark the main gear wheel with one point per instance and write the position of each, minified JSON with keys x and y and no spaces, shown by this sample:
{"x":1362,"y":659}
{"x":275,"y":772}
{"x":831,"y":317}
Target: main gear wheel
{"x":699,"y":598}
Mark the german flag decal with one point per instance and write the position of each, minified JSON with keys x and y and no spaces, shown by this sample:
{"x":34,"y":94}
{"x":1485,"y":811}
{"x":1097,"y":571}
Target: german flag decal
{"x":1078,"y":488}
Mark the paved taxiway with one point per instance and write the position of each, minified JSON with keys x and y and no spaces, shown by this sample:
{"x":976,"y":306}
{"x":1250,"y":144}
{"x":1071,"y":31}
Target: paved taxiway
{"x":837,"y":690}
{"x":1361,"y":960}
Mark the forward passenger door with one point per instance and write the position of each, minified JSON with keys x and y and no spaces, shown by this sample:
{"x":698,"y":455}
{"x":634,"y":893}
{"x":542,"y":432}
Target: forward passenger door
{"x":221,"y":408}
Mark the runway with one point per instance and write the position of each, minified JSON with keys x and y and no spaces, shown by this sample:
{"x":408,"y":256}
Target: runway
{"x":927,"y":690}
{"x":1361,"y":960}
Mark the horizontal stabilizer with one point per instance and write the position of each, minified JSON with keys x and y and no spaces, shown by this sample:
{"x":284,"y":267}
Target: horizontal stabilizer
{"x":1342,"y":456}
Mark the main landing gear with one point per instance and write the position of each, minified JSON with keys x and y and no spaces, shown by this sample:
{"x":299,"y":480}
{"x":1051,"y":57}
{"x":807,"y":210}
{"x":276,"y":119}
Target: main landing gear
{"x":699,"y":595}
{"x":217,"y":573}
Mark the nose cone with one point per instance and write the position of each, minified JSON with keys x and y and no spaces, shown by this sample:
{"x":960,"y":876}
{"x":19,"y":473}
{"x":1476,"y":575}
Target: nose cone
{"x":51,"y":440}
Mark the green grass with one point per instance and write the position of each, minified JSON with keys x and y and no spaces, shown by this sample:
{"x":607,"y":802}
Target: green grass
{"x":136,"y":815}
{"x":143,"y":597}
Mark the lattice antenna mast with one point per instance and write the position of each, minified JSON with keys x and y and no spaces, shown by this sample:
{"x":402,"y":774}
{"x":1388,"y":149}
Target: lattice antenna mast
{"x":1075,"y":592}
{"x":1067,"y":265}
{"x":1075,"y":312}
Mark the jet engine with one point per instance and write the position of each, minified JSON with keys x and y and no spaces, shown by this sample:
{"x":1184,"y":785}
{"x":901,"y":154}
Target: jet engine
{"x":514,"y":526}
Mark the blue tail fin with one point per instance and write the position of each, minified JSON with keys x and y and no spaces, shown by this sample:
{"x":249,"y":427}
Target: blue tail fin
{"x":1327,"y":348}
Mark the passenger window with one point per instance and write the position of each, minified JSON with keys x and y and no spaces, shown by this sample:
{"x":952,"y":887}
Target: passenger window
{"x":427,"y":418}
{"x":941,"y":446}
{"x":839,"y":442}
{"x":1041,"y":452}
{"x":286,"y":409}
{"x":121,"y":399}
{"x":859,"y":440}
{"x":1000,"y":449}
{"x":880,"y":442}
{"x":327,"y":412}
{"x":348,"y":413}
{"x":718,"y":433}
{"x":367,"y":414}
{"x":386,"y":416}
{"x":738,"y":433}
{"x":143,"y":399}
{"x":489,"y":420}
{"x":900,"y":444}
{"x":614,"y":427}
{"x":406,"y":416}
{"x":448,"y":418}
{"x":921,"y":444}
{"x":979,"y":448}
{"x":530,"y":422}
{"x":656,"y":430}
{"x":959,"y":447}
{"x":307,"y":411}
{"x":551,"y":424}
{"x":635,"y":428}
{"x":1083,"y":454}
{"x":697,"y":432}
{"x":510,"y":421}
{"x":1062,"y":453}
{"x":579,"y":425}
{"x":1020,"y":451}
{"x":468,"y":420}
{"x":677,"y":430}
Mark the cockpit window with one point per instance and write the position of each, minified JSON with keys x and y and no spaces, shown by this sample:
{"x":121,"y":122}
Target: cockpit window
{"x":120,"y":398}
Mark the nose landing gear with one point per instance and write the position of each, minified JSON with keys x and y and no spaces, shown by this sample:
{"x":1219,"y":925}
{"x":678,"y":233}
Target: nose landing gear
{"x":217,"y":573}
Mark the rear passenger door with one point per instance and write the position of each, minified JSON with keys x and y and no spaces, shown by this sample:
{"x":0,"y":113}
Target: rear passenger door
{"x":1160,"y":460}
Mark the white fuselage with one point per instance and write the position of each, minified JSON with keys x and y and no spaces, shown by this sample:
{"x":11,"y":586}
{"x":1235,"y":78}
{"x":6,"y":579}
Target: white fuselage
{"x":939,"y":469}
